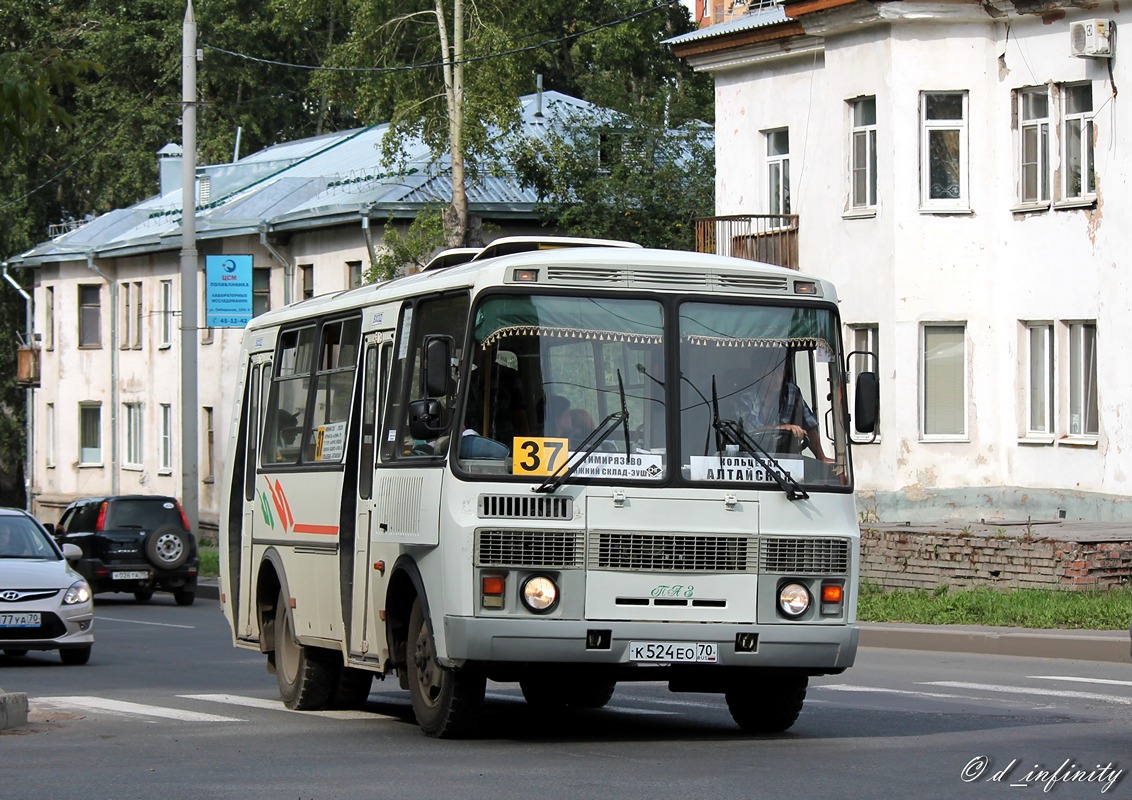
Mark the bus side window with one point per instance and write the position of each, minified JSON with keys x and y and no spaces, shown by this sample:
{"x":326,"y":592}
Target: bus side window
{"x":286,"y":405}
{"x":443,"y":316}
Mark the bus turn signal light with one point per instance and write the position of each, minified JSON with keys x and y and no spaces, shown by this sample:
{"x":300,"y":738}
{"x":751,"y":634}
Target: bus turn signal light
{"x":493,"y":587}
{"x":832,"y":597}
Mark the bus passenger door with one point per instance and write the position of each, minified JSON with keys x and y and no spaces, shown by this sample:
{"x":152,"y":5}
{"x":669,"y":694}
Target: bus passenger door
{"x":259,"y":378}
{"x":367,"y":630}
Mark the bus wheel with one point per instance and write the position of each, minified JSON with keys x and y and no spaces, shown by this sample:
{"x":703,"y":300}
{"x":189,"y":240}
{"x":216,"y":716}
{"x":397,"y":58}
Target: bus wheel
{"x":351,"y":690}
{"x":305,"y":674}
{"x":767,"y":705}
{"x":446,"y":701}
{"x":551,"y":693}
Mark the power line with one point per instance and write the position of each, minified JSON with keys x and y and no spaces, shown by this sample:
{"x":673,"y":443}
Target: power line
{"x":434,"y":64}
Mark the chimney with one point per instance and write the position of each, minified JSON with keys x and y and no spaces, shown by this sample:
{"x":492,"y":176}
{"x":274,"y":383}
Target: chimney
{"x":169,"y":167}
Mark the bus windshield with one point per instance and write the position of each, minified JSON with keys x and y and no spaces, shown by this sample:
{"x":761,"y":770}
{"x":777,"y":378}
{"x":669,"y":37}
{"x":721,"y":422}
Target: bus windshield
{"x":571,"y":387}
{"x":546,"y":371}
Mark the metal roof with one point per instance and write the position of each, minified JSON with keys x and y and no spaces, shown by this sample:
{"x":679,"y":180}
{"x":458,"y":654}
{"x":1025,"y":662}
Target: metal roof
{"x":305,"y":183}
{"x":761,"y":16}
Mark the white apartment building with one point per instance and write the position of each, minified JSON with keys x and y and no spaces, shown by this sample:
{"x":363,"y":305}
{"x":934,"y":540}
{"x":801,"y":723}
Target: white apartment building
{"x":958,"y":169}
{"x":107,"y":409}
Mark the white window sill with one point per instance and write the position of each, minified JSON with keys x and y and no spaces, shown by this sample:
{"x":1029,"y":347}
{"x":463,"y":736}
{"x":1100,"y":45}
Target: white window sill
{"x":1030,"y":208}
{"x":1037,"y":439}
{"x":860,"y":213}
{"x":90,"y":465}
{"x":945,"y":210}
{"x":925,"y":439}
{"x":1077,"y":441}
{"x":132,"y":468}
{"x":164,"y":346}
{"x":165,"y":471}
{"x":1075,"y":202}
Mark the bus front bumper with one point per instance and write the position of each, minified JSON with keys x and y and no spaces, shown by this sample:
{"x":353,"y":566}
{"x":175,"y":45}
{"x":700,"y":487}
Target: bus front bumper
{"x":803,"y":646}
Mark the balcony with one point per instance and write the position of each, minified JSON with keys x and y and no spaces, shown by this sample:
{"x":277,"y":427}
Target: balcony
{"x":770,"y":238}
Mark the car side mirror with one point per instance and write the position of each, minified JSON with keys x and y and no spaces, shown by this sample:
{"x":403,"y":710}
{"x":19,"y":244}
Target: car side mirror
{"x":72,"y":552}
{"x":866,"y":402}
{"x":437,"y":366}
{"x":50,"y":528}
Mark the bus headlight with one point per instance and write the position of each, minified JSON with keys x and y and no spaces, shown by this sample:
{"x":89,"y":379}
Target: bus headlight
{"x":793,"y":599}
{"x":539,"y":594}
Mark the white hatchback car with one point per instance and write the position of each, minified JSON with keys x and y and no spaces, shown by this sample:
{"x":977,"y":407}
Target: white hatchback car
{"x":44,"y":603}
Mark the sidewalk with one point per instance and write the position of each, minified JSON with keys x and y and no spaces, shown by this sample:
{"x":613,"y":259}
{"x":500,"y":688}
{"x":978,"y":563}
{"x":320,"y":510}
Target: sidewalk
{"x":1079,"y":644}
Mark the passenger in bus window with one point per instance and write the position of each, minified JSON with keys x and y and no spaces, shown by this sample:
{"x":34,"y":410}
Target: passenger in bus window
{"x":770,"y":407}
{"x":565,"y":422}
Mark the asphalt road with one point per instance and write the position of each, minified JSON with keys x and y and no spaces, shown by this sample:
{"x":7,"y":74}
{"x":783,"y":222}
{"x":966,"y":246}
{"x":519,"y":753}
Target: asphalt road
{"x":168,"y":709}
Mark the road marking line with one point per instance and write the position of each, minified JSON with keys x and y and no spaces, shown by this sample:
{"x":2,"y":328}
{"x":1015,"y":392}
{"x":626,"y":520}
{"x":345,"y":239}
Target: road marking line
{"x":277,"y":705}
{"x":990,"y":687}
{"x":98,"y":617}
{"x":845,"y":687}
{"x":123,"y":707}
{"x":1074,"y":679}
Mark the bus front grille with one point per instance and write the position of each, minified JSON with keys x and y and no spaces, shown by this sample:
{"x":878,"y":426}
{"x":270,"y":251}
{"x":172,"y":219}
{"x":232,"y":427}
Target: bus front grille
{"x":808,"y":556}
{"x":507,"y":506}
{"x":556,"y":549}
{"x":672,"y":552}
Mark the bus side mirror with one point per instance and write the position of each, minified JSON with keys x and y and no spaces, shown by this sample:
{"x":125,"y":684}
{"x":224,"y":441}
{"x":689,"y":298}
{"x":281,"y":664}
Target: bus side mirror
{"x":426,"y":419}
{"x":866,"y":402}
{"x":437,"y":366}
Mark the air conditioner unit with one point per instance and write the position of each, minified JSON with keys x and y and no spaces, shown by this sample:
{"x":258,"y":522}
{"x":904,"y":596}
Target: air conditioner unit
{"x":1092,"y":38}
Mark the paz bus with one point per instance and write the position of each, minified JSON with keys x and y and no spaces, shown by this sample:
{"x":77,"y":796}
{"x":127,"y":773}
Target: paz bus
{"x":538,"y":463}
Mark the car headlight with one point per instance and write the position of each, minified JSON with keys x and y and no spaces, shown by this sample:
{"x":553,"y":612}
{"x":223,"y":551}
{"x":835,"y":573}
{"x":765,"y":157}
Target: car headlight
{"x":539,"y":594}
{"x":793,"y":599}
{"x":78,"y":593}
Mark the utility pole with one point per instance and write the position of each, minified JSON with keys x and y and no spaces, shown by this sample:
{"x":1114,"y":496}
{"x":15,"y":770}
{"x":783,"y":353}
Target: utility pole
{"x":190,"y":440}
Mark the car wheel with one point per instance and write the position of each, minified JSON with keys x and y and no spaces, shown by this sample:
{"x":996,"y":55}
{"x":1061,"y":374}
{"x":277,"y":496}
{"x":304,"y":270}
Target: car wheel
{"x":185,"y":597}
{"x":143,"y":596}
{"x":305,"y":674}
{"x":167,"y":547}
{"x":75,"y":656}
{"x":15,"y":652}
{"x":446,"y":701}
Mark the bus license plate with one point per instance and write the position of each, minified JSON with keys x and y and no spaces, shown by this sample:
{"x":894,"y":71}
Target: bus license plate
{"x":130,"y":575}
{"x":28,"y":619}
{"x":673,"y":652}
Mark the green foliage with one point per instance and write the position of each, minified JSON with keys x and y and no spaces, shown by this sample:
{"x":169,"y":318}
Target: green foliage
{"x":619,"y":178}
{"x":408,"y":251}
{"x":1025,"y":608}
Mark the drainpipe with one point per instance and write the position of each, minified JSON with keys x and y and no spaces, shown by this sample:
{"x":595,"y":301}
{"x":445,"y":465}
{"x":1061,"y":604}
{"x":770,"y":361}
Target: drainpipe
{"x":288,"y":267}
{"x":29,"y":463}
{"x":368,"y":234}
{"x":113,"y":370}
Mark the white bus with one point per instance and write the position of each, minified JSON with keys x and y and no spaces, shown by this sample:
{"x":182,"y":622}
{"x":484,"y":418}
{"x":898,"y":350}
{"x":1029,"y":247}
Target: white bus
{"x":546,"y":465}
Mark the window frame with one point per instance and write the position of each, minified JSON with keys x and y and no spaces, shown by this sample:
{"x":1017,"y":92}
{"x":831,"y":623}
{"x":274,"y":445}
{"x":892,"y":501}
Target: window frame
{"x":90,"y":316}
{"x":925,"y":384}
{"x":261,"y":294}
{"x":1040,"y":377}
{"x":1087,"y":156}
{"x":867,"y":132}
{"x":93,"y":450}
{"x":166,"y":314}
{"x":1041,"y":162}
{"x":777,"y":165}
{"x":165,"y":444}
{"x":133,"y":453}
{"x":1081,"y":384}
{"x":930,"y":126}
{"x":870,"y":331}
{"x":49,"y":317}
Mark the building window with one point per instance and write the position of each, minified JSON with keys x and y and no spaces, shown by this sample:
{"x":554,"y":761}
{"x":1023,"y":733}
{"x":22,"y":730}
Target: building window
{"x":166,"y":313}
{"x":261,"y":290}
{"x":1040,"y":379}
{"x":49,"y":317}
{"x":1084,"y":410}
{"x":778,"y":171}
{"x":353,"y":274}
{"x":1033,"y":146}
{"x":49,"y":424}
{"x":863,"y":340}
{"x":863,"y":158}
{"x":90,"y":315}
{"x":90,"y":433}
{"x":943,"y":151}
{"x":166,"y":454}
{"x":943,"y":382}
{"x":1079,"y":178}
{"x":207,"y":435}
{"x":306,"y":281}
{"x":133,"y":454}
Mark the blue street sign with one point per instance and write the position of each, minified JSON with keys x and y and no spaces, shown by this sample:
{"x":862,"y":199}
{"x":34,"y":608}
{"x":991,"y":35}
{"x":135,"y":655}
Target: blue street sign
{"x":228,"y":297}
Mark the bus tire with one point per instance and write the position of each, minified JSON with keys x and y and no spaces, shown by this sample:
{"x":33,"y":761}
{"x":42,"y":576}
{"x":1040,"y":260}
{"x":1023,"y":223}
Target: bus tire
{"x":446,"y":702}
{"x":769,"y":705}
{"x":305,"y":674}
{"x":351,"y":690}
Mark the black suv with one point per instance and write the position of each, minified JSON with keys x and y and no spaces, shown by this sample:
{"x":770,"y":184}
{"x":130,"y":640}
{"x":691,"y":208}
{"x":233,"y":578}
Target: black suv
{"x":133,"y":543}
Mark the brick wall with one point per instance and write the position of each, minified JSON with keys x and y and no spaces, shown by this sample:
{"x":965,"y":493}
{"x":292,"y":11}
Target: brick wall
{"x":906,"y":559}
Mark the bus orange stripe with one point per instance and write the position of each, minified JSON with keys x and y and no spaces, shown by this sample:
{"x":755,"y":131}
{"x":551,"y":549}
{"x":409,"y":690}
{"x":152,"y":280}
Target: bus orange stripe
{"x":328,"y":530}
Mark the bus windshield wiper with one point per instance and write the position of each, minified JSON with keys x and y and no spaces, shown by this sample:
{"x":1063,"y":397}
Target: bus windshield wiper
{"x":591,"y":443}
{"x":730,"y":432}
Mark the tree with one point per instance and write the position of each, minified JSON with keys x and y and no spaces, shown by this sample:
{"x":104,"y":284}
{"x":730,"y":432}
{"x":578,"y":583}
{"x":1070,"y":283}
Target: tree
{"x":616,"y":177}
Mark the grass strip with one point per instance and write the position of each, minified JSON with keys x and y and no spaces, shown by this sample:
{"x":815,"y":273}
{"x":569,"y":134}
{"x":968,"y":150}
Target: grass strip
{"x":1021,"y":608}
